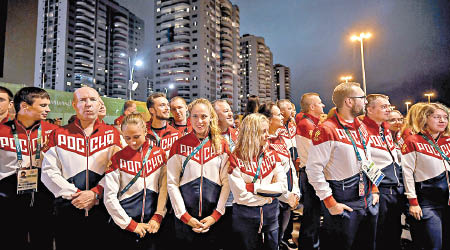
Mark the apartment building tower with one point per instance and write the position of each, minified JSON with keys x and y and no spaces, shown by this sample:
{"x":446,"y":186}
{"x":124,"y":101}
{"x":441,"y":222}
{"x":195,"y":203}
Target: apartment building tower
{"x":86,"y":43}
{"x":256,"y":69}
{"x":197,"y":49}
{"x":282,"y":79}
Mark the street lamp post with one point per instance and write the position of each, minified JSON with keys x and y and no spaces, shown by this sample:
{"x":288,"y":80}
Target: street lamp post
{"x":429,"y":95}
{"x":407,"y":103}
{"x":346,"y":78}
{"x":361,"y":38}
{"x":131,"y":84}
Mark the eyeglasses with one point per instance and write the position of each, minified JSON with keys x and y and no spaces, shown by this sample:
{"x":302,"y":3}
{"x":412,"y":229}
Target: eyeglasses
{"x":362,"y":97}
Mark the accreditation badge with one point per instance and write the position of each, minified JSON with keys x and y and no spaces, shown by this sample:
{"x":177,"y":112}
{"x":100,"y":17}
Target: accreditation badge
{"x":27,"y":180}
{"x":374,"y":173}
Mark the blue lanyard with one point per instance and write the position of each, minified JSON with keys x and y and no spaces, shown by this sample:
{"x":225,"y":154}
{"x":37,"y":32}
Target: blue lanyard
{"x":192,"y":154}
{"x":138,"y":173}
{"x":258,"y":169}
{"x":230,"y":142}
{"x":158,"y":139}
{"x":437,"y":148}
{"x":309,"y":119}
{"x":355,"y":148}
{"x":19,"y":148}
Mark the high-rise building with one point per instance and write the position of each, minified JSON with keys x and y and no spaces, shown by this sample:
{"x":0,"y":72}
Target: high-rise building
{"x":282,"y":78}
{"x":87,"y":43}
{"x":197,"y":49}
{"x":257,"y":69}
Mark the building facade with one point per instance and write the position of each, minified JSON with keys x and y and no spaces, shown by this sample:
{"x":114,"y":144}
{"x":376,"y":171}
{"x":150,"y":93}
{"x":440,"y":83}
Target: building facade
{"x":87,"y":43}
{"x":197,"y":49}
{"x":282,"y":79}
{"x":256,"y":69}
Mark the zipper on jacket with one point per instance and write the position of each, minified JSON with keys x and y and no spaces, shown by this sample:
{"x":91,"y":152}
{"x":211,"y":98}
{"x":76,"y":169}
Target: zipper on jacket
{"x":145,"y":191}
{"x":87,"y":167}
{"x":201,"y":186}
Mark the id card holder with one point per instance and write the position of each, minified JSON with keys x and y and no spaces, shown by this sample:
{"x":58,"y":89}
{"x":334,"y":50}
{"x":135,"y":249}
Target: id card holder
{"x":27,"y":180}
{"x":361,"y":188}
{"x":374,"y":173}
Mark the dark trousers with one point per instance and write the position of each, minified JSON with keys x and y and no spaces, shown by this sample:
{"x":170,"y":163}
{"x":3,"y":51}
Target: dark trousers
{"x":310,"y":224}
{"x":433,"y":229}
{"x":283,"y":220}
{"x":123,"y":239}
{"x":190,"y":240}
{"x":351,"y":230}
{"x":389,"y":228}
{"x":77,"y":231}
{"x":166,"y":239}
{"x":225,"y":229}
{"x":247,"y":222}
{"x":27,"y":219}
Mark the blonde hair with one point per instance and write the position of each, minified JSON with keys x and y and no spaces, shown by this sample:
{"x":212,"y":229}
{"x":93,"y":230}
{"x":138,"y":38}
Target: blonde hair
{"x":214,"y":129}
{"x":420,"y":123}
{"x":136,"y":119}
{"x":343,"y":91}
{"x":331,"y":112}
{"x":411,"y":116}
{"x":305,"y":102}
{"x":248,"y":143}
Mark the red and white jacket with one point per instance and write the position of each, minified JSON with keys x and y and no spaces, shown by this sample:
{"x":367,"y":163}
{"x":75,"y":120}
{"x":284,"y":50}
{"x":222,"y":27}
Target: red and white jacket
{"x":203,"y":188}
{"x":278,"y":145}
{"x":289,"y":135}
{"x":332,"y":156}
{"x":167,"y":136}
{"x":421,"y":162}
{"x":231,"y":136}
{"x":74,"y":161}
{"x":146,"y":198}
{"x":28,"y":144}
{"x":305,"y":128}
{"x":271,"y":182}
{"x":182,"y":129}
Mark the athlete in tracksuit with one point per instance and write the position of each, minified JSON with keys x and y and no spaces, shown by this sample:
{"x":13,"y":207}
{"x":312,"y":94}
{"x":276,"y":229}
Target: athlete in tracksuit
{"x":426,"y":179}
{"x":141,"y":202}
{"x":334,"y":171}
{"x":288,"y":200}
{"x":24,"y":214}
{"x":309,"y":231}
{"x":162,"y":137}
{"x":255,"y":207}
{"x":74,"y":162}
{"x":198,"y":188}
{"x":392,"y":201}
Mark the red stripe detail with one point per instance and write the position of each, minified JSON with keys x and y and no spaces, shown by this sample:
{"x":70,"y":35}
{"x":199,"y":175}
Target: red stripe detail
{"x":413,"y":202}
{"x":250,"y":187}
{"x":132,"y":226}
{"x":157,"y":217}
{"x":186,"y":218}
{"x":216,"y":215}
{"x":97,"y":189}
{"x":329,"y":201}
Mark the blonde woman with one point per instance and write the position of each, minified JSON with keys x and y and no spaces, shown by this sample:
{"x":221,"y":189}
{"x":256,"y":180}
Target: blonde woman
{"x":136,"y":196}
{"x":408,"y":127}
{"x":425,"y":162}
{"x":197,"y":179}
{"x":256,"y":178}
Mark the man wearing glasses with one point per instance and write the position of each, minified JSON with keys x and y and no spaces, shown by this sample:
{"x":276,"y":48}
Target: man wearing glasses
{"x":338,"y":167}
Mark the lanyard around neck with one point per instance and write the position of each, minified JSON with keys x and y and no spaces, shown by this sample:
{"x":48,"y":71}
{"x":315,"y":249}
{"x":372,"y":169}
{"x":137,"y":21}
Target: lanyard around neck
{"x":192,"y":154}
{"x":19,"y":148}
{"x":355,"y":148}
{"x":258,"y":169}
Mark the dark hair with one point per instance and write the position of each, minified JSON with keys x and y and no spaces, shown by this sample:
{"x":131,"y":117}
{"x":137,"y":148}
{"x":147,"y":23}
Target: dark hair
{"x":252,"y":105}
{"x":27,"y":95}
{"x":7,"y":91}
{"x":72,"y":119}
{"x":127,"y":104}
{"x":266,"y":108}
{"x":151,"y":99}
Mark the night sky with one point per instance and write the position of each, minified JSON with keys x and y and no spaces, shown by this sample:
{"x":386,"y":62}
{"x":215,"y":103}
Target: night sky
{"x":408,"y":54}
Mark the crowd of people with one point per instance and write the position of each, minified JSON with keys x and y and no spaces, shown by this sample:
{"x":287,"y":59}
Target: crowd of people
{"x":195,"y":177}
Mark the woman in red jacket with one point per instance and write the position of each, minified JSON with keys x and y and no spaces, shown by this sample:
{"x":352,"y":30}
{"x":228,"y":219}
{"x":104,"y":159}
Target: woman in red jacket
{"x":136,"y":188}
